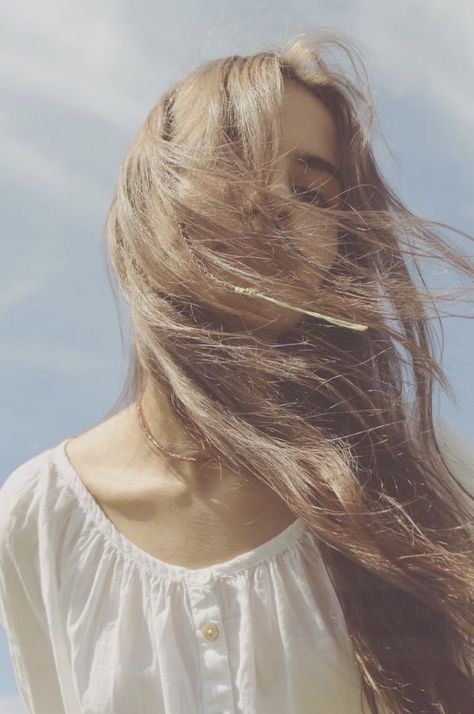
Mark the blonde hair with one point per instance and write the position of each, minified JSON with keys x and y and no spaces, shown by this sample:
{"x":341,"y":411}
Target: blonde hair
{"x":324,"y":415}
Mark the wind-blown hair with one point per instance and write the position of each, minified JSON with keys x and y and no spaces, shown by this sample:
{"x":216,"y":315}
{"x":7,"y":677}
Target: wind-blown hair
{"x":338,"y":422}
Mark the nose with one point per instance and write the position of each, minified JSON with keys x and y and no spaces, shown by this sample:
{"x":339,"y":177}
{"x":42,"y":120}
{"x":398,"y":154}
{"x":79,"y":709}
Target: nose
{"x":258,"y":201}
{"x":278,"y":179}
{"x":259,"y":209}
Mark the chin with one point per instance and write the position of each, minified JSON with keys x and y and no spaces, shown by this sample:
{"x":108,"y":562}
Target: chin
{"x":280,"y":327}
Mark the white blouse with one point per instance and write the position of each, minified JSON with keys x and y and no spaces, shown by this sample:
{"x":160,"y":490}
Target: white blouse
{"x":96,"y":625}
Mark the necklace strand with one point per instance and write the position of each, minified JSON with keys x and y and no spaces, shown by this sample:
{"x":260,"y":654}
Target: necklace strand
{"x":153,"y":441}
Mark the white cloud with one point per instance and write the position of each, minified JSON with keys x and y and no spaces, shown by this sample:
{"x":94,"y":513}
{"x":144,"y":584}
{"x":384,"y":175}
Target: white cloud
{"x":69,"y":52}
{"x":419,"y":49}
{"x":83,"y":56}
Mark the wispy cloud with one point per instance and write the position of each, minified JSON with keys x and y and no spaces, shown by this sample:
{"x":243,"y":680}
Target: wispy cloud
{"x":71,"y":53}
{"x":421,"y":50}
{"x":83,"y":57}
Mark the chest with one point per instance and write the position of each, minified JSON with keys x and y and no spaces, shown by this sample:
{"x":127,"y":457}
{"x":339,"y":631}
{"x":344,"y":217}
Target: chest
{"x":178,"y":527}
{"x":195,"y":535}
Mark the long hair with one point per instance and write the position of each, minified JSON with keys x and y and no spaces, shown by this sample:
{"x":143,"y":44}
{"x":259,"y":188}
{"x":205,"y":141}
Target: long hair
{"x":337,"y":421}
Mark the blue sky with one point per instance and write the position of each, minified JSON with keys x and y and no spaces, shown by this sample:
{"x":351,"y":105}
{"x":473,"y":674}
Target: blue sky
{"x":77,"y":79}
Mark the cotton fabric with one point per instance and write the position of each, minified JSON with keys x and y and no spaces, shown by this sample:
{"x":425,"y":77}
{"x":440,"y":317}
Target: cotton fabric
{"x":95,"y":625}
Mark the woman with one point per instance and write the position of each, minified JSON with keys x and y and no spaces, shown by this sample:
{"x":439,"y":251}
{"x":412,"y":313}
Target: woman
{"x":268,"y":525}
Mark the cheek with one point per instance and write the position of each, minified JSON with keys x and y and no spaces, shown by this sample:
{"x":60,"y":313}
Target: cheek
{"x":326,"y":246}
{"x":325,"y":251}
{"x":269,"y":262}
{"x":314,"y":261}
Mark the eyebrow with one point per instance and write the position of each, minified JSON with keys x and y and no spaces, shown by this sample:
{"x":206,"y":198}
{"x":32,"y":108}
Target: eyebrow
{"x":317,"y":162}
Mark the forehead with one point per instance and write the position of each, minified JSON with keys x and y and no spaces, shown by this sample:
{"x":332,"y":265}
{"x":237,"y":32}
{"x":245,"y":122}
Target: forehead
{"x":307,"y":125}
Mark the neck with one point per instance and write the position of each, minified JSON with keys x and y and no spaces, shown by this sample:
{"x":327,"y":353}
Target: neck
{"x":163,"y":423}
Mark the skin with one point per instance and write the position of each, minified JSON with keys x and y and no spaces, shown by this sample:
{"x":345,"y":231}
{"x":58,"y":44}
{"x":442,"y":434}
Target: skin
{"x":196,"y":513}
{"x":307,"y":127}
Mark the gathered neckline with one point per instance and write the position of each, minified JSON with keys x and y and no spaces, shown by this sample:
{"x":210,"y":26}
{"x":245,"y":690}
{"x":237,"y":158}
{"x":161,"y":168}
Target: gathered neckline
{"x":263,"y":552}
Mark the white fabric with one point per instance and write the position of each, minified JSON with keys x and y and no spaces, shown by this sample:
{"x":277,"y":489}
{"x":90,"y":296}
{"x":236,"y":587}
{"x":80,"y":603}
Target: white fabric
{"x":95,"y":625}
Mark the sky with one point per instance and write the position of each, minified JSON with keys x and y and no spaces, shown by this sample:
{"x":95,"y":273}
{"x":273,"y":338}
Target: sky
{"x":78,"y":79}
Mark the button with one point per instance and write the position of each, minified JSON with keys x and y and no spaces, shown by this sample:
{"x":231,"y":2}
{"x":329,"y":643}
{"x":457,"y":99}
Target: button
{"x":210,"y":631}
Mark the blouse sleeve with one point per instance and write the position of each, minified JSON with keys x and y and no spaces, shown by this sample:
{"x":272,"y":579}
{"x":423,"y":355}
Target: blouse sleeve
{"x":21,"y":610}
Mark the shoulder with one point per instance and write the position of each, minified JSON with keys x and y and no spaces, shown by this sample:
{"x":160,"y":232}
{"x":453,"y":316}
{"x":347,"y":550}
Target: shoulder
{"x":20,"y":492}
{"x":33,"y":495}
{"x":101,"y":454}
{"x":102,"y":443}
{"x":28,"y":502}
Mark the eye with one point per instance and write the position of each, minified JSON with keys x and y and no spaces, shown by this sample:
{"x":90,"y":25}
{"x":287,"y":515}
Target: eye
{"x":309,"y":194}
